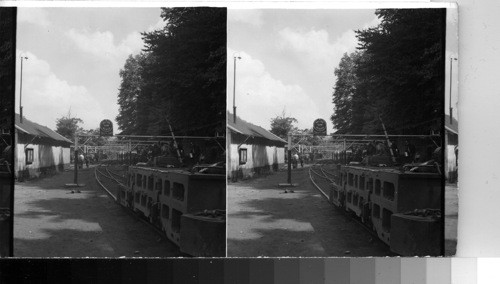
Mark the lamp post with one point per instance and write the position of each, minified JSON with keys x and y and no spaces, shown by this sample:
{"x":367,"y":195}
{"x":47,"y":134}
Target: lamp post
{"x":234,"y":88}
{"x":21,"y":91}
{"x":451,"y":84}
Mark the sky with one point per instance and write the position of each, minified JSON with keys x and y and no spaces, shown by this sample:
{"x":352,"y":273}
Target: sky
{"x":451,"y":65}
{"x":287,"y":64}
{"x":74,"y":59}
{"x":288,"y":58}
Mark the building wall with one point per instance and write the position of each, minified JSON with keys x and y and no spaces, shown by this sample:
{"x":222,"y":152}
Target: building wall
{"x":451,"y":168}
{"x":46,"y":158}
{"x":260,"y":158}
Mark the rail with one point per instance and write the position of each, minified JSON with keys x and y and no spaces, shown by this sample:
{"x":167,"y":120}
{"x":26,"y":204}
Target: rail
{"x":323,"y":174}
{"x":129,"y":210}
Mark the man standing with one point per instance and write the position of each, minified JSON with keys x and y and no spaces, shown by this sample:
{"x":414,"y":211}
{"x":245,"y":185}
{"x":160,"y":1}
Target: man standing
{"x":295,"y":160}
{"x":80,"y":160}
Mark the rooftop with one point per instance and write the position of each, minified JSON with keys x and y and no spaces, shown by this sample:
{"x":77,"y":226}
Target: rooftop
{"x":37,"y":130}
{"x":246,"y":128}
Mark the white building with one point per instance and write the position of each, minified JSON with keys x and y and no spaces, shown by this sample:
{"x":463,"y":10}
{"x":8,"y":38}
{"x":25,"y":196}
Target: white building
{"x":38,"y":150}
{"x":251,"y":149}
{"x":451,"y":149}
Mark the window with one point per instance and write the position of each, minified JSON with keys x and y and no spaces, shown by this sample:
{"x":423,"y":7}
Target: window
{"x":376,"y":211}
{"x":389,"y":190}
{"x":362,"y":182}
{"x":377,"y":187}
{"x":178,"y":191}
{"x":350,"y":179}
{"x":243,"y":156}
{"x":151,"y":179}
{"x":167,"y":188}
{"x":159,"y":183}
{"x":369,"y":185}
{"x":139,"y":180}
{"x":29,"y":156}
{"x":176,"y":221}
{"x":386,"y":220}
{"x":165,"y":211}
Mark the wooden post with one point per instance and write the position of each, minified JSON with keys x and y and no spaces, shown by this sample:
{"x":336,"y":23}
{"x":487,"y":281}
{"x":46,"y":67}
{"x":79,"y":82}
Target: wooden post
{"x":175,"y":143}
{"x":129,"y":153}
{"x":345,"y":153}
{"x":289,"y":158}
{"x":389,"y":144}
{"x":75,"y":179}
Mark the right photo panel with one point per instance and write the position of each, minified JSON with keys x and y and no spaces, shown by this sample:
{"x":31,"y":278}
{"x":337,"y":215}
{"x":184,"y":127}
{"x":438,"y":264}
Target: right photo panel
{"x":341,"y":132}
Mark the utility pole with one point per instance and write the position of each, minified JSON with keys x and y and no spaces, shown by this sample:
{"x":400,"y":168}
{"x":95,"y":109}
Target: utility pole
{"x":234,"y":88}
{"x":21,"y":91}
{"x":75,"y":178}
{"x":289,"y":180}
{"x":451,"y":84}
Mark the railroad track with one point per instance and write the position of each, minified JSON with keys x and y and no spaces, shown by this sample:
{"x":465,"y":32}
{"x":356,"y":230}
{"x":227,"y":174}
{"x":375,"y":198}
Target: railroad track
{"x":104,"y":172}
{"x":112,"y":173}
{"x":322,"y":183}
{"x":319,"y":171}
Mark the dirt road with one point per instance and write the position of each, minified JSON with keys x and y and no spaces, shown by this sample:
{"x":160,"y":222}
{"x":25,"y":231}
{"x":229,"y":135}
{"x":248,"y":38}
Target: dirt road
{"x":50,"y":221}
{"x":263,"y":220}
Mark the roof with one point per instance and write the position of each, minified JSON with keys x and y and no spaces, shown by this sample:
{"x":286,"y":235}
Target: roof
{"x":246,"y":128}
{"x":35,"y":129}
{"x":452,"y":127}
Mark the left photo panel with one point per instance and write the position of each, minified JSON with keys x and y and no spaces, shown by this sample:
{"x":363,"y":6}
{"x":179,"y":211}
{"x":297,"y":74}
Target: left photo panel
{"x":7,"y":80}
{"x":119,"y":141}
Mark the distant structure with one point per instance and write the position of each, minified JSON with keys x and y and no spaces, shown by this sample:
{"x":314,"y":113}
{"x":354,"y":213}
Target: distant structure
{"x":451,"y":151}
{"x":251,"y":149}
{"x":38,"y":150}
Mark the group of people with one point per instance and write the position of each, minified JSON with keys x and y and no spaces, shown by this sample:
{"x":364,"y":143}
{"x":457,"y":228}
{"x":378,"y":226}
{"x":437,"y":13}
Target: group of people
{"x":190,"y":153}
{"x":83,"y":159}
{"x":296,"y":159}
{"x":409,"y":153}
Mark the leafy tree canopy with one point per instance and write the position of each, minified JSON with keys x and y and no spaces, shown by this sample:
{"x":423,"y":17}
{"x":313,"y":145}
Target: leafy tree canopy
{"x":67,"y":126}
{"x":180,"y":78}
{"x":397,"y":75}
{"x":281,"y":125}
{"x":7,"y":65}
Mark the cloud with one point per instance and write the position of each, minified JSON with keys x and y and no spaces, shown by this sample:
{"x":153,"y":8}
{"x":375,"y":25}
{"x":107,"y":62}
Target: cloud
{"x":102,"y":44}
{"x":36,"y":16}
{"x":318,"y":55}
{"x":47,"y":98}
{"x":260,"y":97}
{"x":251,"y":17}
{"x":315,"y":46}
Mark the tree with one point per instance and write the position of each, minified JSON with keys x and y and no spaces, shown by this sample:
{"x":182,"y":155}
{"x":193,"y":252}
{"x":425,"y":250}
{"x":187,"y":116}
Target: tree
{"x":130,"y":89}
{"x":184,"y":75}
{"x":67,"y":126}
{"x":93,"y":137}
{"x":347,"y":98}
{"x":403,"y":69}
{"x":396,"y":75}
{"x":282,"y":125}
{"x":7,"y":67}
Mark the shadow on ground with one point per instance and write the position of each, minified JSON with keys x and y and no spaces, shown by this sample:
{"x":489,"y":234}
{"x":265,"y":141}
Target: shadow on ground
{"x":49,"y":221}
{"x":265,"y":221}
